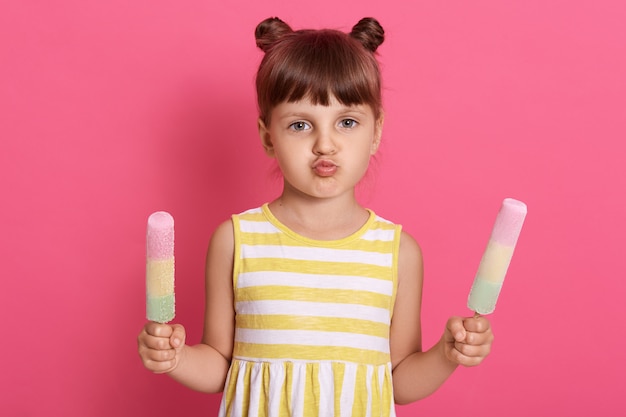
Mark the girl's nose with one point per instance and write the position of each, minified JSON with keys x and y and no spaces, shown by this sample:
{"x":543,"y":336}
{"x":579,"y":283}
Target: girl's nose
{"x":324,"y":144}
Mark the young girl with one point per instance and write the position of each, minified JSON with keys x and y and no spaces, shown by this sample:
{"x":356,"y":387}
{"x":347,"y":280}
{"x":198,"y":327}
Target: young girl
{"x":313,"y":301}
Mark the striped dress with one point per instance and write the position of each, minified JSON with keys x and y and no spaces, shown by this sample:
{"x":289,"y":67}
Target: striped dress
{"x":312,"y":320}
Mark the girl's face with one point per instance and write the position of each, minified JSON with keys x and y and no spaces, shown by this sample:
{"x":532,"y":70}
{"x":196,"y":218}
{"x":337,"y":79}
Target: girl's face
{"x":322,"y":151}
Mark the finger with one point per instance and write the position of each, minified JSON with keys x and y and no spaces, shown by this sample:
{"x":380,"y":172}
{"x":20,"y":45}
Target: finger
{"x":478,"y":339}
{"x":145,"y":340}
{"x":456,"y":328}
{"x":476,"y":324}
{"x":472,"y":351}
{"x":156,"y":352}
{"x":159,"y":367}
{"x":177,"y":338}
{"x":148,"y":341}
{"x":158,"y":355}
{"x":158,"y":329}
{"x":467,"y":355}
{"x":158,"y":361}
{"x":468,"y":361}
{"x":456,"y":355}
{"x":146,"y":344}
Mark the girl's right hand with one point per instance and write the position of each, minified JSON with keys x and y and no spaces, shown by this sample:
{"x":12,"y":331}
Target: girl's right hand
{"x":160,"y":346}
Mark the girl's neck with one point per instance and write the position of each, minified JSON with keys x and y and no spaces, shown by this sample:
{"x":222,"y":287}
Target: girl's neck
{"x":320,"y":219}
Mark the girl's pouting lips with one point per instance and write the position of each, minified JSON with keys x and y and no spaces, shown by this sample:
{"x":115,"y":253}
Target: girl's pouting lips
{"x":325,"y":167}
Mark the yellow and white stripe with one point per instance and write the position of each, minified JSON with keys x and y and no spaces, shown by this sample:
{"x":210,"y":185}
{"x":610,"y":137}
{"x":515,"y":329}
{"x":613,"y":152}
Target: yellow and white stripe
{"x":312,"y":320}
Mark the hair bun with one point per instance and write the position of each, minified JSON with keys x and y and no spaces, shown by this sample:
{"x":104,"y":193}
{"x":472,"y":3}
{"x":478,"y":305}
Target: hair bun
{"x":369,"y":32}
{"x":269,"y":31}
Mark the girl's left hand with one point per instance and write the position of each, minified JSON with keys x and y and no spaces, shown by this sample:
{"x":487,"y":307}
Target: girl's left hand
{"x":467,"y":341}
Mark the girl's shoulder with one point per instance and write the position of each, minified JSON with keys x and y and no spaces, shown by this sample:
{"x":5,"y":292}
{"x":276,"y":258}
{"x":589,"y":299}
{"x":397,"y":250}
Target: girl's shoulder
{"x":223,"y":236}
{"x":410,"y":262}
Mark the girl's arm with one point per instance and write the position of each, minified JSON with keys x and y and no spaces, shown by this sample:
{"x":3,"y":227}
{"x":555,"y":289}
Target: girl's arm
{"x":417,"y":373}
{"x":202,"y":367}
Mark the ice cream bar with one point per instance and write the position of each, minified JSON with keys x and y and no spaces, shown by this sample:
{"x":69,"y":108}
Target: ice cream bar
{"x":497,"y":256}
{"x":160,"y":267}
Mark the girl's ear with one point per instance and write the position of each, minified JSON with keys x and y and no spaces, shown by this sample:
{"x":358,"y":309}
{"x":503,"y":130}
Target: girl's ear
{"x":266,"y":139}
{"x":378,"y":133}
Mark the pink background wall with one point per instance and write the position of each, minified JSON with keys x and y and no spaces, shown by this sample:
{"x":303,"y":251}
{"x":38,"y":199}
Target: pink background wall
{"x":112,"y":110}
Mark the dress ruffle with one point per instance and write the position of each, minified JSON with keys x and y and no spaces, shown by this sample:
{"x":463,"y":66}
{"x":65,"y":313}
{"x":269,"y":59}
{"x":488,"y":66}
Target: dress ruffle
{"x":303,"y":389}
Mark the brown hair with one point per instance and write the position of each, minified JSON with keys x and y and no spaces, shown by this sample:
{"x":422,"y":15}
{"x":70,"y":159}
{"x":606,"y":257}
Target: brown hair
{"x":318,"y":64}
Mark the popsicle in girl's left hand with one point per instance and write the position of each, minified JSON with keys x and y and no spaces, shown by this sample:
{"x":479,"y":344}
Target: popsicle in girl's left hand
{"x":497,"y":257}
{"x":160,"y":303}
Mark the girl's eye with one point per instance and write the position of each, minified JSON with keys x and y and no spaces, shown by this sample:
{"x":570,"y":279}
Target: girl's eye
{"x":348,"y":123}
{"x":299,"y":126}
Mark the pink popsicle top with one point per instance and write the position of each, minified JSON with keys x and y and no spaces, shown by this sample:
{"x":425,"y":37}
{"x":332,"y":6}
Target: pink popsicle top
{"x":509,"y":222}
{"x":160,"y":236}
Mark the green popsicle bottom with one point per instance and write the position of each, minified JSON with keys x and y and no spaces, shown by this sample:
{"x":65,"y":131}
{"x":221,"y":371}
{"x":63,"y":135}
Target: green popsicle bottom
{"x":483,"y":296}
{"x":160,"y":309}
